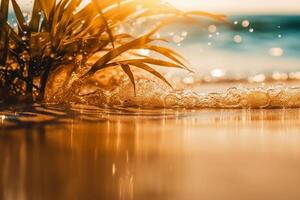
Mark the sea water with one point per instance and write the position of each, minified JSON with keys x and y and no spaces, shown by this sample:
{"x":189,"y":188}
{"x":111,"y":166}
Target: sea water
{"x":248,"y":45}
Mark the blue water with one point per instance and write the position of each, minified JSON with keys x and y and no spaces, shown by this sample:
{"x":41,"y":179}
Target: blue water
{"x":253,"y":54}
{"x":268,"y":32}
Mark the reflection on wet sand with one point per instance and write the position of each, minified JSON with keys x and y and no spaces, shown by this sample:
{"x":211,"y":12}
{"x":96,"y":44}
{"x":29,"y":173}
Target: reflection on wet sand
{"x":208,"y":154}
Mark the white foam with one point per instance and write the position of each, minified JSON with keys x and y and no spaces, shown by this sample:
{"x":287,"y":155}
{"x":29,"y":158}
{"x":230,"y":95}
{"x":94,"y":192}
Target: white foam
{"x":152,"y":93}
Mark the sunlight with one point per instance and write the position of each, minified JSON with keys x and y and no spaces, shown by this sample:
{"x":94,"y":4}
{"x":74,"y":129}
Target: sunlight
{"x":227,"y":6}
{"x":149,"y":99}
{"x":240,"y":6}
{"x":84,"y":2}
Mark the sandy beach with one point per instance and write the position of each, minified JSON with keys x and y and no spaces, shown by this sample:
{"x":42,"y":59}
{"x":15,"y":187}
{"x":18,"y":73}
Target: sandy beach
{"x":164,"y":154}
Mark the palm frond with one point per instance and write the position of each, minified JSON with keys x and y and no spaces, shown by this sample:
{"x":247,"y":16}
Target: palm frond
{"x":151,"y":70}
{"x":60,"y":31}
{"x":4,"y":39}
{"x":20,"y":18}
{"x":35,"y":17}
{"x":127,"y":70}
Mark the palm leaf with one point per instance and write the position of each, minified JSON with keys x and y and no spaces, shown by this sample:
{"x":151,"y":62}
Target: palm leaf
{"x":108,"y":30}
{"x":3,"y":32}
{"x":20,"y":18}
{"x":68,"y":12}
{"x":13,"y":35}
{"x":152,"y":71}
{"x":157,"y":62}
{"x":129,"y":73}
{"x":134,"y":44}
{"x":35,"y":17}
{"x":169,"y":53}
{"x":47,"y":7}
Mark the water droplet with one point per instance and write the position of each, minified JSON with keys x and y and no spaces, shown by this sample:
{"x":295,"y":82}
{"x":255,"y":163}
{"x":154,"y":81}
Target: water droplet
{"x":184,"y":34}
{"x":157,"y":35}
{"x":280,"y":76}
{"x":279,"y":36}
{"x":258,"y":78}
{"x":212,"y":28}
{"x":188,"y":80}
{"x":2,"y":117}
{"x":177,"y":38}
{"x":209,"y":43}
{"x":218,"y":73}
{"x":25,"y":56}
{"x":237,"y":39}
{"x":210,"y":35}
{"x":235,"y":22}
{"x":294,"y":75}
{"x":171,"y":33}
{"x":251,"y":30}
{"x":245,"y":23}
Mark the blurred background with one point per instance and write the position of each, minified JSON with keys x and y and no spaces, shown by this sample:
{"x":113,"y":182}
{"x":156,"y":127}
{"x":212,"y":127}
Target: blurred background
{"x":263,"y":37}
{"x":241,"y":6}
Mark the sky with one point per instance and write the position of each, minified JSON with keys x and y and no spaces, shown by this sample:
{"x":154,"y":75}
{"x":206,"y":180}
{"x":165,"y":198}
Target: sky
{"x":234,"y":6}
{"x":242,"y":6}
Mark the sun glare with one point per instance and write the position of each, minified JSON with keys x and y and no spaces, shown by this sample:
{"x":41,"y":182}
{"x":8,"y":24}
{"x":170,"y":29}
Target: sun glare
{"x":228,"y":6}
{"x":240,"y":6}
{"x":84,"y":2}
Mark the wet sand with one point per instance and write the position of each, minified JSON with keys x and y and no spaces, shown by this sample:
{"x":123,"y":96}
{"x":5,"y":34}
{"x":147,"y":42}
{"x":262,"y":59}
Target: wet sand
{"x":190,"y":155}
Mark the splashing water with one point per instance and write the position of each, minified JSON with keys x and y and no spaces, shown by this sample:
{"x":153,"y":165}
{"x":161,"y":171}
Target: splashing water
{"x":151,"y":93}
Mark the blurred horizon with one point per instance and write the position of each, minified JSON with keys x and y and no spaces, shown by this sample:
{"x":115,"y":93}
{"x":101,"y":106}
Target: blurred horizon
{"x":234,"y":7}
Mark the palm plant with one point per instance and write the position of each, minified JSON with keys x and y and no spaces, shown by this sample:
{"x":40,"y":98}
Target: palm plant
{"x":62,"y":31}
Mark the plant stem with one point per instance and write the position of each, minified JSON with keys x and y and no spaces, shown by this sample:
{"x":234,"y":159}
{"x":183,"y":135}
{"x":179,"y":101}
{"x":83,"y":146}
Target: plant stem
{"x":44,"y":80}
{"x":3,"y":33}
